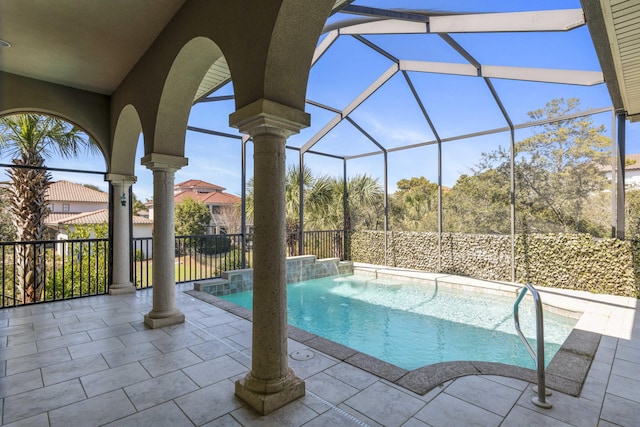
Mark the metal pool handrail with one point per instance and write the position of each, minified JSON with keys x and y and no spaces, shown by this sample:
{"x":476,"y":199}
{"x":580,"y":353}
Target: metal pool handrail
{"x":538,"y":357}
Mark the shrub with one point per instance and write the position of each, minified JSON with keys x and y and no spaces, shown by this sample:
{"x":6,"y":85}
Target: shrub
{"x":139,"y":255}
{"x":233,"y":260}
{"x":565,"y":261}
{"x":211,"y":245}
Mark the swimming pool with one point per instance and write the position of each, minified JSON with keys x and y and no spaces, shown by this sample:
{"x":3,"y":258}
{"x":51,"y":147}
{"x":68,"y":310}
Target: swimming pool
{"x":412,"y":325}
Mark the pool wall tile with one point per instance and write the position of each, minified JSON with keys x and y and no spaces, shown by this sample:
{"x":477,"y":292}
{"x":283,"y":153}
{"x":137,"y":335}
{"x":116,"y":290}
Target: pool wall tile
{"x":299,"y":269}
{"x":345,"y":267}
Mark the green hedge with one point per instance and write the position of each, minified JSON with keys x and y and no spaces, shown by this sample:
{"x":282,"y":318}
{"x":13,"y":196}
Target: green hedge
{"x":567,"y":261}
{"x":214,"y":244}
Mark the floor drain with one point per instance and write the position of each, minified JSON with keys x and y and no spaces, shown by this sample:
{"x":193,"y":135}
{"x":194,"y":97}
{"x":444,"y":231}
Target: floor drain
{"x":302,"y":355}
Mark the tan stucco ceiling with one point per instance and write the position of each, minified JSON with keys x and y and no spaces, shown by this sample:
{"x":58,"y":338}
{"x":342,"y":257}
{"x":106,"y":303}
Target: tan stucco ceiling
{"x":615,"y":29}
{"x":89,"y":45}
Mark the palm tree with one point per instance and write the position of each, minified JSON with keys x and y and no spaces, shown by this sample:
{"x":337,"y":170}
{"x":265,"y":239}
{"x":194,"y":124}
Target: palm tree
{"x":292,"y":207}
{"x":324,"y":208}
{"x":323,"y":205}
{"x":292,"y":200}
{"x":28,"y":139}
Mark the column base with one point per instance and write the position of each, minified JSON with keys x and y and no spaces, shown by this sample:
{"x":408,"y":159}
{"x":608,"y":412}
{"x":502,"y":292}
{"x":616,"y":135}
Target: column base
{"x":159,"y":322}
{"x":122,"y":288}
{"x":265,"y":403}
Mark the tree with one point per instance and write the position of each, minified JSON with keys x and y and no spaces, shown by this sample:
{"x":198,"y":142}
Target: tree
{"x":29,"y":139}
{"x":557,"y":169}
{"x":365,"y":202}
{"x":479,"y":202}
{"x":7,"y":230}
{"x":191,"y":218}
{"x":323,"y":205}
{"x":557,"y":180}
{"x":632,"y":201}
{"x":137,"y":205}
{"x":414,"y":206}
{"x":558,"y":183}
{"x":292,"y":202}
{"x":84,"y":268}
{"x":229,"y":216}
{"x":324,"y":208}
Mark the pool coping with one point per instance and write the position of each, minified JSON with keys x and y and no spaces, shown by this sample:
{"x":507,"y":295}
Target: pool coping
{"x":565,"y":373}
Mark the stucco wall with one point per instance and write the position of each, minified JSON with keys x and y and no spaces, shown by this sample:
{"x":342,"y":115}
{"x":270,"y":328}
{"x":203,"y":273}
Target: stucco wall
{"x":77,"y":207}
{"x":568,"y":261}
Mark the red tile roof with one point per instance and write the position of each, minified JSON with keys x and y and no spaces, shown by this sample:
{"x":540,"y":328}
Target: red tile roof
{"x":55,"y":218}
{"x":635,"y":162}
{"x":193,"y":183}
{"x":95,"y":217}
{"x":211,"y":194}
{"x":216,"y":198}
{"x":634,"y":159}
{"x":65,"y":191}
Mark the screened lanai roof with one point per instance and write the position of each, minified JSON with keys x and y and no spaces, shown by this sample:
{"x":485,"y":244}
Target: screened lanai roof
{"x":384,"y":80}
{"x":440,"y":58}
{"x":100,"y":41}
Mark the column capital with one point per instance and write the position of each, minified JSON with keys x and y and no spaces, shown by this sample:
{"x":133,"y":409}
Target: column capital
{"x":265,"y":116}
{"x":157,"y":161}
{"x":118,"y":178}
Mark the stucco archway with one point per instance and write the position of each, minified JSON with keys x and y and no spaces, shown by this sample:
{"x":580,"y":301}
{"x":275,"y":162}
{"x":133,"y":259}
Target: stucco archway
{"x":126,"y":133}
{"x":164,"y":155}
{"x":269,"y":50}
{"x":121,"y":177}
{"x":86,"y":110}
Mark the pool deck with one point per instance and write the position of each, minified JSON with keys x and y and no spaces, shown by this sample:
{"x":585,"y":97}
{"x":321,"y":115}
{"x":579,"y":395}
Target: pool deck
{"x":92,"y":361}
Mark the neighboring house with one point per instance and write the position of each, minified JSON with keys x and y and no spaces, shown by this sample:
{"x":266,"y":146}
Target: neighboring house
{"x":72,"y":204}
{"x":67,"y":199}
{"x":142,"y":227}
{"x":223,"y":206}
{"x":631,"y":171}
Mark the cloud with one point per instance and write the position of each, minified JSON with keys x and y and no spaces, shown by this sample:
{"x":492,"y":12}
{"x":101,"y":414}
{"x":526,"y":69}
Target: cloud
{"x":398,"y":134}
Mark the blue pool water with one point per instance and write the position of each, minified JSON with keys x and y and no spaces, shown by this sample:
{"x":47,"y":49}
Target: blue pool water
{"x":412,"y":325}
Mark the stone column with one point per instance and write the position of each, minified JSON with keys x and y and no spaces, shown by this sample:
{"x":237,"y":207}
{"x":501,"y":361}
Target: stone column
{"x":271,"y":383}
{"x":164,"y":311}
{"x":121,"y":250}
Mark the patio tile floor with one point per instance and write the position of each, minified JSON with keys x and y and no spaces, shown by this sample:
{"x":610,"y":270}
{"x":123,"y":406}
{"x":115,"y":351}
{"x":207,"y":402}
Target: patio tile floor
{"x":92,"y":361}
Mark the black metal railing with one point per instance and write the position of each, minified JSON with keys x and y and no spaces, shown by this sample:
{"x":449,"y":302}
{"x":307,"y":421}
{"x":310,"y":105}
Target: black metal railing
{"x":196,"y":257}
{"x":52,"y":270}
{"x":206,"y":257}
{"x":61,"y":269}
{"x":323,"y":244}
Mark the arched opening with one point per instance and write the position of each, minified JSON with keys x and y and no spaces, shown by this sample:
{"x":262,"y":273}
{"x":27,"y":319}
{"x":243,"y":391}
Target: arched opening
{"x":181,"y":86}
{"x":45,"y":204}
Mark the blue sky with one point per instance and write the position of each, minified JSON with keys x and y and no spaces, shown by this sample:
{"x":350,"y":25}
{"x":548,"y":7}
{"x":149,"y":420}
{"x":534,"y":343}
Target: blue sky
{"x":457,"y":105}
